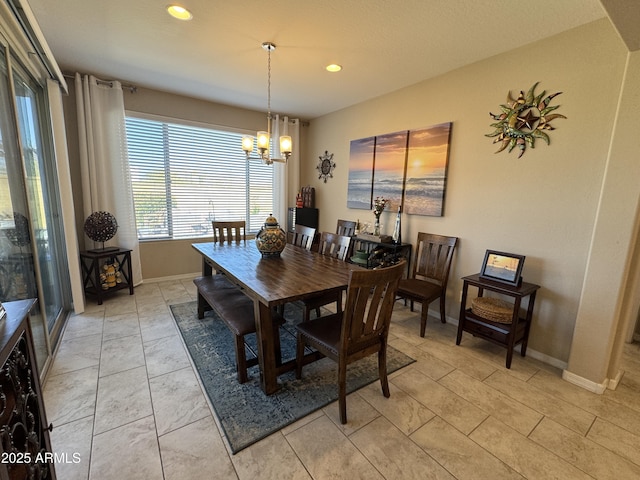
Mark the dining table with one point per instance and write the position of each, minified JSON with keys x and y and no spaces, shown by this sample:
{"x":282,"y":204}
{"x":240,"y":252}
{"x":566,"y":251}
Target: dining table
{"x":272,"y":281}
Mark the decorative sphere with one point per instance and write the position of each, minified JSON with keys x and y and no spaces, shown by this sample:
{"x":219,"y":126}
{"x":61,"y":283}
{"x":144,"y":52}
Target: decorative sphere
{"x":19,"y":236}
{"x":271,"y":239}
{"x":100,"y":226}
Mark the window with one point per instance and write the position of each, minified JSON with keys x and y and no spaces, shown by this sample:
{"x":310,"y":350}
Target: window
{"x":185,"y":176}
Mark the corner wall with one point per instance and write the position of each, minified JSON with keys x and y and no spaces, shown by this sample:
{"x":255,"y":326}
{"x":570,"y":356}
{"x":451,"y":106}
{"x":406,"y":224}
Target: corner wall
{"x":604,"y":317}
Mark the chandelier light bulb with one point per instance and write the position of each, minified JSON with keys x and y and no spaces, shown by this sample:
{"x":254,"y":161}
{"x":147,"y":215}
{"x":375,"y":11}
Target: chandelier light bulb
{"x":285,"y":144}
{"x":247,"y":144}
{"x":263,"y":140}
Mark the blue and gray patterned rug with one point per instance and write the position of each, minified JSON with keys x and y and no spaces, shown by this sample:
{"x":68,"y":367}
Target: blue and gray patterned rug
{"x":245,"y":412}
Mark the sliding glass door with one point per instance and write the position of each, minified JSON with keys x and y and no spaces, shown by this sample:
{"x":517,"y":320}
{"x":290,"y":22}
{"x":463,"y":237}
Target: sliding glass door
{"x":32,"y":261}
{"x":42,"y":193}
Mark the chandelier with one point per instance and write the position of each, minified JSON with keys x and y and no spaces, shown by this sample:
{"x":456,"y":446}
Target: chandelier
{"x":264,"y":138}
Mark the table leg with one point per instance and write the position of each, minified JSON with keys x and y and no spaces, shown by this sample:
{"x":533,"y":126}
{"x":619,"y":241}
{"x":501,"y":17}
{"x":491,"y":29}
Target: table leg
{"x":266,"y":348}
{"x":98,"y":286}
{"x":511,"y":339}
{"x":525,"y":342}
{"x":129,"y":267}
{"x":206,"y":268}
{"x":463,"y":313}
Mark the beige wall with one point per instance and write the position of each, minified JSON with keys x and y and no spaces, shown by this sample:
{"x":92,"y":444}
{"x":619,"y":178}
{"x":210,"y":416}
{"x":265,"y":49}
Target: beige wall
{"x":169,"y":105}
{"x":543,"y":205}
{"x":167,"y":258}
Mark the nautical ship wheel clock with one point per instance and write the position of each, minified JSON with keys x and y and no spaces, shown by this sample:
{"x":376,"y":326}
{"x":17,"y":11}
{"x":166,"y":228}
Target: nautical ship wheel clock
{"x":325,"y":166}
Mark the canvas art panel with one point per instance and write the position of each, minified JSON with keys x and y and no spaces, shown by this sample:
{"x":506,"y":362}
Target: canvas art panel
{"x":388,"y":167}
{"x":426,"y":176}
{"x":408,"y":167}
{"x":361,"y":173}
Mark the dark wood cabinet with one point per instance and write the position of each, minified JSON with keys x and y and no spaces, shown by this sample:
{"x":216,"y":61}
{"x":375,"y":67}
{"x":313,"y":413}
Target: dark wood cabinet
{"x":505,"y":334}
{"x":302,"y":216}
{"x":25,"y":447}
{"x":92,"y":262}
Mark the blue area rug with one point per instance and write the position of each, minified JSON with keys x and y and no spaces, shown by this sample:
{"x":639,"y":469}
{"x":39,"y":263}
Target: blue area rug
{"x":245,"y":412}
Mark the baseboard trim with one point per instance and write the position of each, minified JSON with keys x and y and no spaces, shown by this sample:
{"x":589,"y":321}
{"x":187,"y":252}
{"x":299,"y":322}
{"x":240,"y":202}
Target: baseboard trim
{"x":585,"y":383}
{"x":613,"y":383}
{"x":169,"y":278}
{"x":544,"y":358}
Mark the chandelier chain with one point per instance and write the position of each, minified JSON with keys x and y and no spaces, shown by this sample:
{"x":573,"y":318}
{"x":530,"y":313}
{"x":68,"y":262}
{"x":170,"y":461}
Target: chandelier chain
{"x":269,"y":82}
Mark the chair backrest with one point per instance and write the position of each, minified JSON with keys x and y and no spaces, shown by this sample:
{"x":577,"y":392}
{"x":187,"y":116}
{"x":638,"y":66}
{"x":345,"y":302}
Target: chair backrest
{"x":346,"y":227}
{"x":303,"y":236}
{"x":367,"y":313}
{"x":433,"y":258}
{"x":334,"y":245}
{"x":227,"y":232}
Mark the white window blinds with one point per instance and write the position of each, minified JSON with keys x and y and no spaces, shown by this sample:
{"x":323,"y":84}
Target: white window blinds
{"x":183,"y":177}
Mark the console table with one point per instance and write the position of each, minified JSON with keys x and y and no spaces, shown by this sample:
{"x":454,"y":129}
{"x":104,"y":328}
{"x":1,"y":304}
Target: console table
{"x":379,"y":253}
{"x":91,"y":263}
{"x":25,"y":447}
{"x":505,"y":334}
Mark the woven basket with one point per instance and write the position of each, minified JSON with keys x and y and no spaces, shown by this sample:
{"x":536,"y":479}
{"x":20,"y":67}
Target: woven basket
{"x":492,"y":309}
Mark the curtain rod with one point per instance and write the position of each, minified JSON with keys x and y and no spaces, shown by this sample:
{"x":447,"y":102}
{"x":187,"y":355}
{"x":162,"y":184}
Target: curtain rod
{"x":134,"y":89}
{"x":131,"y":88}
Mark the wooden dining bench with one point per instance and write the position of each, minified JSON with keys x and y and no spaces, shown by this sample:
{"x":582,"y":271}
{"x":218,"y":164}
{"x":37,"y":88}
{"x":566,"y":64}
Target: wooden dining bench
{"x":236,"y":310}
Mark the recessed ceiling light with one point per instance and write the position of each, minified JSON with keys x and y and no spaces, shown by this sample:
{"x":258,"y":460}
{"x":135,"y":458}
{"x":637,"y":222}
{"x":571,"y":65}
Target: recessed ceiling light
{"x":181,"y":13}
{"x":333,"y":67}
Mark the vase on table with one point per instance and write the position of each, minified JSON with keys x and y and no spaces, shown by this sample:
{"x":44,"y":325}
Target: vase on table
{"x":376,"y":226}
{"x":397,"y":231}
{"x":271,"y":239}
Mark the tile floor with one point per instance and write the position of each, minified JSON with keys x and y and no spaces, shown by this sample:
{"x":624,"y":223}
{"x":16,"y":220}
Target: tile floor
{"x":126,"y":402}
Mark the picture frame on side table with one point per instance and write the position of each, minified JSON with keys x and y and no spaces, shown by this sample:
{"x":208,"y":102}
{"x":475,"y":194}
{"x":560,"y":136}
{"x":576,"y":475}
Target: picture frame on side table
{"x":502,"y":267}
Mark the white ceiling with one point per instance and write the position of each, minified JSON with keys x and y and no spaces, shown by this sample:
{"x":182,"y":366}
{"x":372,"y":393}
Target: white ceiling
{"x":383,"y":45}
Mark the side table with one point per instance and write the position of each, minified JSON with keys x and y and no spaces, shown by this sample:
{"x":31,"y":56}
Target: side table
{"x":91,"y":263}
{"x":505,"y":334}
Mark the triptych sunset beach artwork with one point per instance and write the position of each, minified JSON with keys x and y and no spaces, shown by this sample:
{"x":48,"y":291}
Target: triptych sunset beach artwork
{"x":408,"y":167}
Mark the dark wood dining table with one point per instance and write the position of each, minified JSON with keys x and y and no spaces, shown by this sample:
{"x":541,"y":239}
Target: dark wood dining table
{"x":273,"y":281}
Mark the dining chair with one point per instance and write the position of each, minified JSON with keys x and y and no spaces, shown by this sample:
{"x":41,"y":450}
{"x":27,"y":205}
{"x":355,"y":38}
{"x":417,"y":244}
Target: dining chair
{"x":228,"y":232}
{"x":360,"y":330}
{"x":223,"y":232}
{"x":331,"y":245}
{"x":303,"y":236}
{"x":429,"y":275}
{"x":346,"y":227}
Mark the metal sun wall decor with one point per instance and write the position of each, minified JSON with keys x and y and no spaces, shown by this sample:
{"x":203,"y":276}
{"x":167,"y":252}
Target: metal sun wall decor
{"x":523,"y":120}
{"x":325,"y":166}
{"x":408,"y":167}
